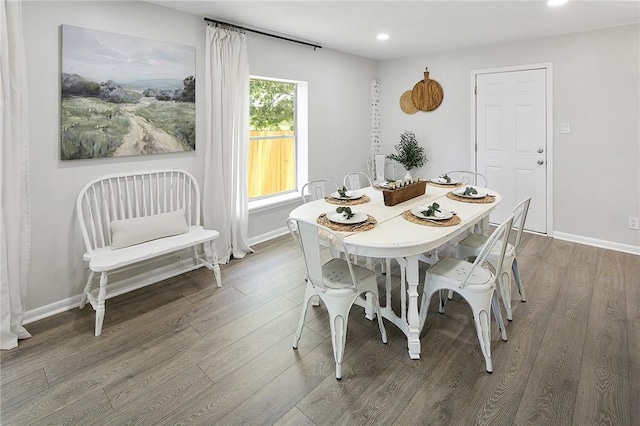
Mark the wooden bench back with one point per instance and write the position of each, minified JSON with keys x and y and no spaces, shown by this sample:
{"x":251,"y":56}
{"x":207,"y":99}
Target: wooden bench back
{"x":131,"y":195}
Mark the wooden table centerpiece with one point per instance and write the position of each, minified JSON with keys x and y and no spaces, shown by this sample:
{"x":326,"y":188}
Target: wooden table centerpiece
{"x":405,"y":191}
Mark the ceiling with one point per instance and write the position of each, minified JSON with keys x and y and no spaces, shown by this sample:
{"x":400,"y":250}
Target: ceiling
{"x":414,"y":27}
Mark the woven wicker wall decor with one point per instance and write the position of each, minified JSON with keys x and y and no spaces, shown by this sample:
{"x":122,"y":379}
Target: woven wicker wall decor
{"x":427,"y":95}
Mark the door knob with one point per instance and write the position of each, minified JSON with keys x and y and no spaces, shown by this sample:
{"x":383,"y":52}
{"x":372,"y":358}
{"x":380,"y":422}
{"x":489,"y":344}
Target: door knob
{"x":540,"y":162}
{"x":540,"y":150}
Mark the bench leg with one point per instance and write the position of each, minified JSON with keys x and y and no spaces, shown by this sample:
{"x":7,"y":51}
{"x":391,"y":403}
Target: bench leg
{"x":213,"y":265}
{"x":100,"y":305}
{"x":216,"y":267}
{"x":87,"y":289}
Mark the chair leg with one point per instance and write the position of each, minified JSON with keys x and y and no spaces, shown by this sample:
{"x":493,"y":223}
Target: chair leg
{"x":338,"y":310}
{"x":308,"y":294}
{"x":516,"y":276}
{"x":483,"y":329}
{"x":338,"y":340}
{"x":100,"y":308}
{"x":443,"y":300}
{"x":87,"y":289}
{"x":495,"y":305}
{"x":504,"y":282}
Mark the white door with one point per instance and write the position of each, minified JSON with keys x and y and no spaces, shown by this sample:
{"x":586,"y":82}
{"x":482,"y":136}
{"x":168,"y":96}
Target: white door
{"x":511,"y":137}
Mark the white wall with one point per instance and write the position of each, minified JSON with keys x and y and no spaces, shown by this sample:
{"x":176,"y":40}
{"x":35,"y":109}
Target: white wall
{"x":338,"y":109}
{"x":596,"y":88}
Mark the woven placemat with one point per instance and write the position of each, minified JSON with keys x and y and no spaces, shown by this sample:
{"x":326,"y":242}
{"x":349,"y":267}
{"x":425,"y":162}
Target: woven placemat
{"x":426,"y":222}
{"x":362,"y":200}
{"x":441,"y":185}
{"x":484,"y":200}
{"x":340,"y":227}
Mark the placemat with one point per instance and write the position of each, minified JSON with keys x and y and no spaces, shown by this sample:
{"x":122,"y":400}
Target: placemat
{"x":362,"y":200}
{"x":340,"y":227}
{"x":484,"y":200}
{"x":426,"y":222}
{"x":445,"y":186}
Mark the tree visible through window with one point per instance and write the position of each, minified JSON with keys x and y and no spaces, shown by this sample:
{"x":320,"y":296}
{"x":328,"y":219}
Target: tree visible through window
{"x":272,"y":138}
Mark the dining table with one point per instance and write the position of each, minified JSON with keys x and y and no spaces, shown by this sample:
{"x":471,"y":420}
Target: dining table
{"x":398,"y":234}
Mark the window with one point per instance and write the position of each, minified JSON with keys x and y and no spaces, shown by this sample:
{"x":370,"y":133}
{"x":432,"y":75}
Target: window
{"x":277,"y":160}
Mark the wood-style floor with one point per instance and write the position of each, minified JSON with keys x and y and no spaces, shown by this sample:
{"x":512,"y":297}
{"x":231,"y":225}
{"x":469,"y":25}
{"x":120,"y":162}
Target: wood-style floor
{"x":186,"y":352}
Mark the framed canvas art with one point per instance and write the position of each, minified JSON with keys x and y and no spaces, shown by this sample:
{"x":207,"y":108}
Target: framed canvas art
{"x":124,"y":95}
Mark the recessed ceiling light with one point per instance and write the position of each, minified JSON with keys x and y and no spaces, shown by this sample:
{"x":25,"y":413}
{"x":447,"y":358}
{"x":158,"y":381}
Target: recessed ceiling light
{"x":382,"y":36}
{"x":555,"y":3}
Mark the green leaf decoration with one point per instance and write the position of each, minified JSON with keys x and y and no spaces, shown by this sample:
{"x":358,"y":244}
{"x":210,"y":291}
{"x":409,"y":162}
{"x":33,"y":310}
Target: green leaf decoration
{"x":431,"y":210}
{"x":346,"y":212}
{"x":343,"y":192}
{"x":470,"y":191}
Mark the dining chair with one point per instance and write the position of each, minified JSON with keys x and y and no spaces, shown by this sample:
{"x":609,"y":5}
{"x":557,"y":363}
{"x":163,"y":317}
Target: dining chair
{"x":375,"y":167}
{"x":356,"y":180}
{"x":338,"y":282}
{"x":318,"y":189}
{"x":472,"y":245}
{"x":468,"y":177}
{"x":475,"y":284}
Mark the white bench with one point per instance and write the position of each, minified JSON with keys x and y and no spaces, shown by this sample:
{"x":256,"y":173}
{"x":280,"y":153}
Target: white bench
{"x":152,"y":213}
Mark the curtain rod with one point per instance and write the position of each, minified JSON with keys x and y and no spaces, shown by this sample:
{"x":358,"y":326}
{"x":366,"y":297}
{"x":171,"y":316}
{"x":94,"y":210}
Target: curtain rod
{"x":315,"y":46}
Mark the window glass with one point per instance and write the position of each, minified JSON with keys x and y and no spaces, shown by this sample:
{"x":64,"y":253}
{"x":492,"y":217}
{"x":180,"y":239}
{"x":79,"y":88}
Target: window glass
{"x":272,"y":167}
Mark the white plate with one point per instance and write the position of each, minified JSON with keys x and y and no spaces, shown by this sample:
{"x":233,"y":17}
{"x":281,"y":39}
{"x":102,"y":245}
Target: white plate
{"x":350,"y":195}
{"x":445,"y":214}
{"x":460,"y":193}
{"x":384,"y":184}
{"x":443,"y":181}
{"x":358,"y":217}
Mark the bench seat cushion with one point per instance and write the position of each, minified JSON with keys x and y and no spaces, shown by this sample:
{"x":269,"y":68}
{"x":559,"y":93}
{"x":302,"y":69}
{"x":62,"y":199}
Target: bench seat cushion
{"x":128,"y":232}
{"x":106,"y":259}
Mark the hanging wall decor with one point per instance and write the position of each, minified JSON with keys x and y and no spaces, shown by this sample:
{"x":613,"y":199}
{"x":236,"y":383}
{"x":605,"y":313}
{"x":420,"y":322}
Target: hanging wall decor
{"x":124,"y":95}
{"x":427,"y":95}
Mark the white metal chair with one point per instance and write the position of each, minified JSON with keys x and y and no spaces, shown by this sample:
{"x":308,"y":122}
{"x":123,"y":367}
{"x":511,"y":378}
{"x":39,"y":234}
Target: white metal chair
{"x":475,"y":284}
{"x":472,"y":245}
{"x":318,"y":189}
{"x":356,"y":180}
{"x":468,"y":177}
{"x":375,"y":167}
{"x":338,"y":282}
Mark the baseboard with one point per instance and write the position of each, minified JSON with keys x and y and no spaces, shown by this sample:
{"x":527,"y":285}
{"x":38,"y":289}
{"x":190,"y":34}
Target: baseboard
{"x":114,"y":289}
{"x":268,"y":236}
{"x":626,"y":248}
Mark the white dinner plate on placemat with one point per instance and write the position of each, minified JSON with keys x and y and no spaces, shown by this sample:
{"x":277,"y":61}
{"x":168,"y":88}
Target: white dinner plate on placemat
{"x":460,"y":193}
{"x":442,"y":215}
{"x":358,"y":217}
{"x":443,"y":181}
{"x":350,"y":195}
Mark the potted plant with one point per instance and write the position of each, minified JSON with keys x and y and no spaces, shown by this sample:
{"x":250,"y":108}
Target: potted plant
{"x":409,"y":153}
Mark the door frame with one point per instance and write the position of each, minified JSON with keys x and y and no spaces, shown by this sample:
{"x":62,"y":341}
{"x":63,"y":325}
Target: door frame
{"x":548,"y":66}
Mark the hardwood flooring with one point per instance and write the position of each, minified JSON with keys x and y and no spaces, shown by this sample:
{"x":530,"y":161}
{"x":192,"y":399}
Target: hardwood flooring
{"x":185,"y":352}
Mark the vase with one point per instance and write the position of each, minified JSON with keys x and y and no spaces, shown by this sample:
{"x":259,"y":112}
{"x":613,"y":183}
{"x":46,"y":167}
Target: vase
{"x":407,"y":176}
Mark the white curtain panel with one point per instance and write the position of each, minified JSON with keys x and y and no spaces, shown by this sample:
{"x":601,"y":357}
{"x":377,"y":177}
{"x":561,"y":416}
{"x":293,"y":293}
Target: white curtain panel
{"x":15,"y":218}
{"x":225,"y":202}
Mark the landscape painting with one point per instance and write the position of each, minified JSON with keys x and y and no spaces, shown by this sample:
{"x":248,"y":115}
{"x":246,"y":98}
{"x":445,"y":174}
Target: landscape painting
{"x":124,"y":95}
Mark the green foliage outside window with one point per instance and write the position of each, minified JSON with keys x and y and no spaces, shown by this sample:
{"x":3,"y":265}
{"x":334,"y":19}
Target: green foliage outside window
{"x":271,"y":104}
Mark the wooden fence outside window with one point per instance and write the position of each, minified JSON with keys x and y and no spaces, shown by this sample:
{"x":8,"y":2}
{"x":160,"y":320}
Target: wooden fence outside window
{"x":272,"y":162}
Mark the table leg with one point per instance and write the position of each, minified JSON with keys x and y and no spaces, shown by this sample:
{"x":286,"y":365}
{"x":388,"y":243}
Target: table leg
{"x":413,"y":317}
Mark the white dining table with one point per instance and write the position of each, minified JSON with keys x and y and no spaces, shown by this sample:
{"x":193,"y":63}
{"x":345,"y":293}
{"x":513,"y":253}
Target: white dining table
{"x":394,"y":237}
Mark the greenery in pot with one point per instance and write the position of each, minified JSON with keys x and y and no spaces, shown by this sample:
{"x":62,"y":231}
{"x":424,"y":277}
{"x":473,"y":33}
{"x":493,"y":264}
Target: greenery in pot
{"x":409,"y":153}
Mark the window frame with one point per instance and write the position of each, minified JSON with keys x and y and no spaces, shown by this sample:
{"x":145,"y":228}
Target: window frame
{"x":301,"y":137}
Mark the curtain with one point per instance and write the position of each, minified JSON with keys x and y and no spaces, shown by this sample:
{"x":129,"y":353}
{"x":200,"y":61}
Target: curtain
{"x":15,"y":218}
{"x":225,"y":202}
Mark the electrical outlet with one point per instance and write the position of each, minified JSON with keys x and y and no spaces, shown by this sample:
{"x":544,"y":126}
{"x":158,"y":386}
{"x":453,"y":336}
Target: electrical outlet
{"x":634,"y":223}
